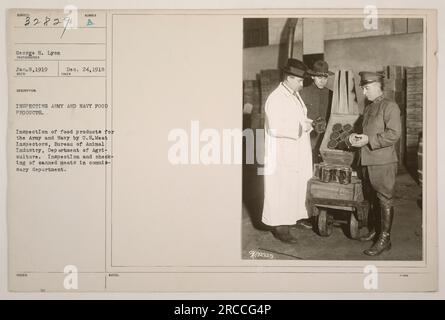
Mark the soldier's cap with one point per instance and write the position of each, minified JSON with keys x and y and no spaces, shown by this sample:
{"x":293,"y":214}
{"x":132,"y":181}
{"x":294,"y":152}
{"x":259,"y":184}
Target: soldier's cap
{"x":370,"y":77}
{"x":295,"y":67}
{"x":320,"y":69}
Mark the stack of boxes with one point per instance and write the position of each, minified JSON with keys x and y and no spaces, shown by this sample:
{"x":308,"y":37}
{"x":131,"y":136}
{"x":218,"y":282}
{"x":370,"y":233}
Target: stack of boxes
{"x":251,"y":96}
{"x":269,"y":80}
{"x":414,"y":111}
{"x":395,"y":89}
{"x":255,"y":92}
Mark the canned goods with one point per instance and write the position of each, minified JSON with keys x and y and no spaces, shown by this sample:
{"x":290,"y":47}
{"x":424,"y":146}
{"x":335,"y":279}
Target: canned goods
{"x":337,"y":127}
{"x":342,"y":146}
{"x":347,"y":127}
{"x":317,"y":171}
{"x":344,"y":176}
{"x":334,"y":174}
{"x":334,"y":135}
{"x":344,"y":135}
{"x":332,"y":144}
{"x":325,"y":174}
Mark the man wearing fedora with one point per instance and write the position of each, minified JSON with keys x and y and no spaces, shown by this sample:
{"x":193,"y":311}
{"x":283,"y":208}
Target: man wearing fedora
{"x":381,"y":131}
{"x":287,"y":129}
{"x":317,"y":99}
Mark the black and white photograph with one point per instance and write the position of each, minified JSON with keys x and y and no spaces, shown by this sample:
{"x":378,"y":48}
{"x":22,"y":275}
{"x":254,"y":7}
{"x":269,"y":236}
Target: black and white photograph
{"x":336,"y":105}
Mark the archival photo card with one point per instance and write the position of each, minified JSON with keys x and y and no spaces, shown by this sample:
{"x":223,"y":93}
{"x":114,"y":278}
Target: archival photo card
{"x":278,"y":150}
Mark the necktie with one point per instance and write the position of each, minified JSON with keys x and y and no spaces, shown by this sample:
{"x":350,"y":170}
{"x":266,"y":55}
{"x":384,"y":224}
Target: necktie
{"x":300,"y":127}
{"x":301,"y":103}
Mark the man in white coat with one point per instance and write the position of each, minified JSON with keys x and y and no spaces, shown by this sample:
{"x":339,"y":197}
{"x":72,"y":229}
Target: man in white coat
{"x":288,"y":131}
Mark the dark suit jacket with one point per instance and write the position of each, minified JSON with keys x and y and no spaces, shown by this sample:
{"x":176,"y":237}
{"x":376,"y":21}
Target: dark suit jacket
{"x":317,"y":101}
{"x":318,"y":104}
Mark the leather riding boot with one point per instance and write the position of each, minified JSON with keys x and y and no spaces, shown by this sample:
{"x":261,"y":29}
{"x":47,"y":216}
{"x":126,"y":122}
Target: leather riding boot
{"x":384,"y":241}
{"x":283,"y":234}
{"x":369,"y":236}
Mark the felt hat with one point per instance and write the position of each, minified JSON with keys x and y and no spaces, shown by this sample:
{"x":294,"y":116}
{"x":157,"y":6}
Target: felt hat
{"x":320,"y":69}
{"x":295,"y":67}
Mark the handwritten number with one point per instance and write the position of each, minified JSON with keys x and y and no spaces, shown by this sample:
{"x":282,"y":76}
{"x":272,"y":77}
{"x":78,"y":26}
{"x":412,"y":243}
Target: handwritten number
{"x":66,"y":26}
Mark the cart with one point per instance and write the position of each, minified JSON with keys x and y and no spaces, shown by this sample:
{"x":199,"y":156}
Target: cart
{"x":327,"y":200}
{"x":329,"y":197}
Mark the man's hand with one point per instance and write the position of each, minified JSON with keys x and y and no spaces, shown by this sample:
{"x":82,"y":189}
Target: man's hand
{"x":358,"y":140}
{"x":308,"y":125}
{"x":319,"y":125}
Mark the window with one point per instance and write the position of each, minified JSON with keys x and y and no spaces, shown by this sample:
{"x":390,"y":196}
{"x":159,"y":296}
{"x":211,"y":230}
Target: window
{"x":256,"y":32}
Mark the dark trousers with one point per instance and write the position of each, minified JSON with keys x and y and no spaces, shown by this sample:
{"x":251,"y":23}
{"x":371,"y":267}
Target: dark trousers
{"x":316,"y":139}
{"x":379,"y":182}
{"x":378,"y":188}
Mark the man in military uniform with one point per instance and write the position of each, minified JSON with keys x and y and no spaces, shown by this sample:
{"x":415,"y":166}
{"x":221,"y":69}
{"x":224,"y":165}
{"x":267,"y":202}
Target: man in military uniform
{"x":381,"y":131}
{"x":317,"y":99}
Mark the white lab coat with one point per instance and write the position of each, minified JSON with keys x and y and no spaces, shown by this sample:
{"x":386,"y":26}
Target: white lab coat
{"x":285,"y":181}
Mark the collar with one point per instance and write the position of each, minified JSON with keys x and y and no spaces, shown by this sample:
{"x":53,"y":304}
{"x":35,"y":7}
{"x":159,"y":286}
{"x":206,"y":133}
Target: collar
{"x":378,"y":99}
{"x":287,"y":89}
{"x":317,"y":88}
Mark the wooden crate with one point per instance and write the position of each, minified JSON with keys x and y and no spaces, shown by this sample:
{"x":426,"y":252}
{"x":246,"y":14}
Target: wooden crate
{"x":394,"y":72}
{"x":251,"y":94}
{"x":395,"y":89}
{"x":396,"y":85}
{"x":337,"y":191}
{"x":257,"y":121}
{"x":345,"y":109}
{"x":269,"y":80}
{"x":414,"y":115}
{"x":401,"y":144}
{"x":337,"y":156}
